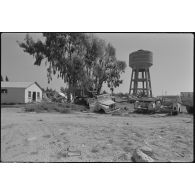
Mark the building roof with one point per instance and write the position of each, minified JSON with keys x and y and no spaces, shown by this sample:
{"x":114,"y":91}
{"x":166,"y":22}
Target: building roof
{"x":8,"y":84}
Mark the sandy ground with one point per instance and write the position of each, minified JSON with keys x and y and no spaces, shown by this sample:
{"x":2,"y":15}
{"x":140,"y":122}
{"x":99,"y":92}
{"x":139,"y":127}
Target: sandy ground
{"x":90,"y":137}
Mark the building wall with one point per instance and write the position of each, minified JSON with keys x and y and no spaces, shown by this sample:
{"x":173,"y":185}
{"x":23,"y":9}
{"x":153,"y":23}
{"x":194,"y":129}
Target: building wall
{"x":33,"y":88}
{"x":187,"y":98}
{"x":13,"y":95}
{"x":187,"y":94}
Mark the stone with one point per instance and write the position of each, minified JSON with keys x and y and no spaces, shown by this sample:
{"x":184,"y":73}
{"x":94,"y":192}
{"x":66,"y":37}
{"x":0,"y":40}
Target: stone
{"x":73,"y":153}
{"x":147,"y":150}
{"x":31,"y":139}
{"x":139,"y":156}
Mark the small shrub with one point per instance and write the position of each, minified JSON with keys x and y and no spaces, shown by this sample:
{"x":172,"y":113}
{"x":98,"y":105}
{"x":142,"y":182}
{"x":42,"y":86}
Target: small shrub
{"x":29,"y":109}
{"x":65,"y":111}
{"x":49,"y":107}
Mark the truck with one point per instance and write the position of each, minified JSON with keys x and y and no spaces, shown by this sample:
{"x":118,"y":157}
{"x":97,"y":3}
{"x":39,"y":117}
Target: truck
{"x":145,"y":105}
{"x":170,"y":104}
{"x":157,"y":105}
{"x":102,"y":104}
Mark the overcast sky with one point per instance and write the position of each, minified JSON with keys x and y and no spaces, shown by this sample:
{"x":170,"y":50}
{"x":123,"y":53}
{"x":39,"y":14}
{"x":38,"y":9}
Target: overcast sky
{"x":172,"y":69}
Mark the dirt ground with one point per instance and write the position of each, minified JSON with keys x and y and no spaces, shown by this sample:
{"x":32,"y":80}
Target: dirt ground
{"x":90,"y":137}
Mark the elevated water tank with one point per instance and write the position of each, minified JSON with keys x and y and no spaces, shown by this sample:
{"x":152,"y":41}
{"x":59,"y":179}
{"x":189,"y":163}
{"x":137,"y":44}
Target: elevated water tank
{"x":140,"y":84}
{"x":141,"y":59}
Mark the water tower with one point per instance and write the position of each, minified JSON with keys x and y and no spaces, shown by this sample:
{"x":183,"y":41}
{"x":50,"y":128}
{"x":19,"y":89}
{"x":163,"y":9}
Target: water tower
{"x":140,"y":61}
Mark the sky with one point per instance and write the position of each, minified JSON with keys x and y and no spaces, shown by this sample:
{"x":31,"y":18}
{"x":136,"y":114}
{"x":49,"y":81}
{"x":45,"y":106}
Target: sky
{"x":171,"y":73}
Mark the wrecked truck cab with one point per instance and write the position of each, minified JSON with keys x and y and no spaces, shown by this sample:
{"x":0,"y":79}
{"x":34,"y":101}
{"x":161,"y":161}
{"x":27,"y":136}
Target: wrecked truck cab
{"x":145,"y":105}
{"x":102,"y":103}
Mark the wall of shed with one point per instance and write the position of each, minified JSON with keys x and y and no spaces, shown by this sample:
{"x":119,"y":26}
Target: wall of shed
{"x":33,"y":88}
{"x":13,"y":95}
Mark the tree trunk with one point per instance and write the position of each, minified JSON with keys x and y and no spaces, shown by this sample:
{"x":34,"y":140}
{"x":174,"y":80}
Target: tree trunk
{"x":73,"y":92}
{"x":69,"y":92}
{"x":99,"y":87}
{"x":68,"y":96}
{"x":112,"y":90}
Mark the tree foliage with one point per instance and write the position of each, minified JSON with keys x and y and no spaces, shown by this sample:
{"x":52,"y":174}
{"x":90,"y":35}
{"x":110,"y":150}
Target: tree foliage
{"x":64,"y":90}
{"x":81,"y":60}
{"x":103,"y":67}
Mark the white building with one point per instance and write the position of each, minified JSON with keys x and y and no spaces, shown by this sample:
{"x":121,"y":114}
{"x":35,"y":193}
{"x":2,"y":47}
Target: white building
{"x":20,"y":92}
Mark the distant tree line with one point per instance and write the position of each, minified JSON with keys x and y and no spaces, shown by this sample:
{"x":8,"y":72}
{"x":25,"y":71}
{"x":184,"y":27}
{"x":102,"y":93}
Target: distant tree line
{"x":6,"y":78}
{"x":82,"y":60}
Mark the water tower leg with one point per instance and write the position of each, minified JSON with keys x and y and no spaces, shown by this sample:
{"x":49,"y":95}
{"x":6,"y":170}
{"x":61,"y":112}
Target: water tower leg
{"x":143,"y":82}
{"x":150,"y":83}
{"x":146,"y":73}
{"x":136,"y":81}
{"x":130,"y":87}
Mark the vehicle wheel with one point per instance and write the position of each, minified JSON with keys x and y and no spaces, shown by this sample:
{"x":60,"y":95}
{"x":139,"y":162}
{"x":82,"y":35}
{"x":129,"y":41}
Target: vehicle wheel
{"x":174,"y":113}
{"x":101,"y":111}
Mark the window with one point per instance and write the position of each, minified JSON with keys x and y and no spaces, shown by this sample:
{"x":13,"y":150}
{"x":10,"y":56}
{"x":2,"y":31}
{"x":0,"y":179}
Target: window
{"x":29,"y":94}
{"x":3,"y":90}
{"x":38,"y":95}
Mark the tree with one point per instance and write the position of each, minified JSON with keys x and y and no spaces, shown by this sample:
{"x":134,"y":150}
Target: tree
{"x":104,"y":92}
{"x":107,"y":68}
{"x":114,"y":74}
{"x":6,"y":78}
{"x":103,"y":67}
{"x":63,"y":54}
{"x":94,"y":51}
{"x":83,"y":61}
{"x":64,"y":90}
{"x":1,"y":78}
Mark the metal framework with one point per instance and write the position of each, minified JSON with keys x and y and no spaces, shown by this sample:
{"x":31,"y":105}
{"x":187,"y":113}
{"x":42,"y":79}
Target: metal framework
{"x":144,"y":79}
{"x":140,"y":84}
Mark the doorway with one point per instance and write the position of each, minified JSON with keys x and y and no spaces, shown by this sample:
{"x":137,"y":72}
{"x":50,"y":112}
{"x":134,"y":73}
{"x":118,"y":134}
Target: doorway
{"x":34,"y":96}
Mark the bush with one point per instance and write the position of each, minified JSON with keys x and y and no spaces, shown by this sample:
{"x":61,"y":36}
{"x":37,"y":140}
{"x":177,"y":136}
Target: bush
{"x":29,"y":109}
{"x":65,"y":111}
{"x":45,"y":106}
{"x":53,"y":107}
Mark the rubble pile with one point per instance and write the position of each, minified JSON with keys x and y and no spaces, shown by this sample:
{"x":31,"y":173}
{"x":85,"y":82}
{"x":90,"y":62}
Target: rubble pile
{"x":54,"y":96}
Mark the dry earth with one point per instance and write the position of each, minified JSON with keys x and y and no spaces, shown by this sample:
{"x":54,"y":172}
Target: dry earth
{"x":90,"y":137}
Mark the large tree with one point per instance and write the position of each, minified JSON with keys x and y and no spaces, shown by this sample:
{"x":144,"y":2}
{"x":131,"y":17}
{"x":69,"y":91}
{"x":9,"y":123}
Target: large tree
{"x":104,"y":65}
{"x":81,"y":60}
{"x":62,"y":52}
